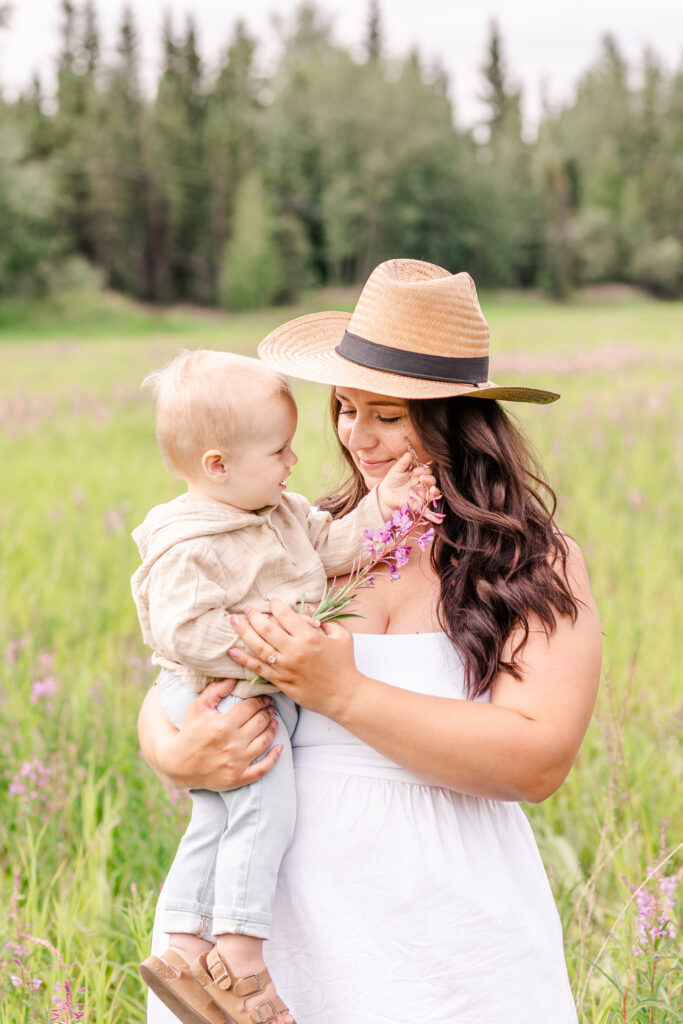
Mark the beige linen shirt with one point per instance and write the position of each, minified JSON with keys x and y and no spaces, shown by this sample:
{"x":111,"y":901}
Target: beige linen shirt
{"x":202,"y":562}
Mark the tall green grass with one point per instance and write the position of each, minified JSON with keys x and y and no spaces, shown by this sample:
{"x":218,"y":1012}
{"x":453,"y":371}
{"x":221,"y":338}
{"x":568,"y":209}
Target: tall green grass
{"x":87,"y":840}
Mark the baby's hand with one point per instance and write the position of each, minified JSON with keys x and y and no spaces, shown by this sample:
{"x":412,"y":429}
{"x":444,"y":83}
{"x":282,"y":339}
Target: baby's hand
{"x":404,"y":485}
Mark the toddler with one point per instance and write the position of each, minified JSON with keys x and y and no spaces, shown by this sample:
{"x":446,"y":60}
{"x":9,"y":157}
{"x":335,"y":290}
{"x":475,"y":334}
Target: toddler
{"x":236,"y":538}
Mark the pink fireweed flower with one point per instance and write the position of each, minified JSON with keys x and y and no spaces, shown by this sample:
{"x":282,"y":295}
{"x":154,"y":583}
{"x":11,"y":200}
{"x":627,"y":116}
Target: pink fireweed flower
{"x":13,"y":651}
{"x":113,"y":520}
{"x":33,"y":783}
{"x":43,"y":688}
{"x":656,"y":912}
{"x":401,"y":555}
{"x":402,"y":519}
{"x":65,"y":1009}
{"x":385,"y":546}
{"x":425,"y":539}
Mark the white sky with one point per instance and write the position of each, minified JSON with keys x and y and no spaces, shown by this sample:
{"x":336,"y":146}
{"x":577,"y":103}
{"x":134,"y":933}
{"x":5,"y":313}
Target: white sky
{"x":548,"y":43}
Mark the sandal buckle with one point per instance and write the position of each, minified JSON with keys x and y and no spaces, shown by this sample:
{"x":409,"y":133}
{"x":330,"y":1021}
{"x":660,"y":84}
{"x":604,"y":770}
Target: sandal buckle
{"x":220,"y":974}
{"x":258,"y":1015}
{"x":249,"y":985}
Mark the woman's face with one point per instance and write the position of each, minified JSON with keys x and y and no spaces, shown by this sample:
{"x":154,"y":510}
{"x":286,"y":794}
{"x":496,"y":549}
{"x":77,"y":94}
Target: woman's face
{"x":374,"y":428}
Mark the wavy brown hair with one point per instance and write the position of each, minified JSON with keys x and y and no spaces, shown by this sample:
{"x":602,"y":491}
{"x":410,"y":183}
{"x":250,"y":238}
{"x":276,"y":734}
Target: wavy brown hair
{"x":498,"y":555}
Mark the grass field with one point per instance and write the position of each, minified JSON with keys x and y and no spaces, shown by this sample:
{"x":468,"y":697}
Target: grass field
{"x":87,"y":831}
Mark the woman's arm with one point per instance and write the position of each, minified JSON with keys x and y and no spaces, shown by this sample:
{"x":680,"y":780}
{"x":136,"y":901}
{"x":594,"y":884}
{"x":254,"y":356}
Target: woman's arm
{"x":518,"y":747}
{"x":211,"y":750}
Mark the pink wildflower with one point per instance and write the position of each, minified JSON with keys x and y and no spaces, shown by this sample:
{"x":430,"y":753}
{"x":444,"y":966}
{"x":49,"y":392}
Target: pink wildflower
{"x":43,"y":688}
{"x":385,"y":533}
{"x":425,"y":539}
{"x":65,"y":1011}
{"x":113,"y":520}
{"x":13,"y":651}
{"x":656,"y":913}
{"x":401,"y":554}
{"x":402,"y":519}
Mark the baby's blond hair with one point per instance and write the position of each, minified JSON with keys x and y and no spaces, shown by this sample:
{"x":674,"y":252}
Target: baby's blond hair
{"x":207,"y":399}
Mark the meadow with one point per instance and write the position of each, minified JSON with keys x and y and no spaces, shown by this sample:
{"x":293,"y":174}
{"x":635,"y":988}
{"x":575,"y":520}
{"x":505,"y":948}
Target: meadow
{"x":87,"y":831}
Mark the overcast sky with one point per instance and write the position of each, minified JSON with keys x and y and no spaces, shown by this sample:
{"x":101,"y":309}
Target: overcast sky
{"x":547,"y":42}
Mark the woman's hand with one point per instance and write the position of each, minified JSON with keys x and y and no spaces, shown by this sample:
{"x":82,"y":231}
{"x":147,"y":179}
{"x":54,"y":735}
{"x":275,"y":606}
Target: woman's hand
{"x":211,"y":750}
{"x":314,"y":663}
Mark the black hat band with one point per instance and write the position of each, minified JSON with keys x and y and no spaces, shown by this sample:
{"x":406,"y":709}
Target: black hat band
{"x":448,"y":369}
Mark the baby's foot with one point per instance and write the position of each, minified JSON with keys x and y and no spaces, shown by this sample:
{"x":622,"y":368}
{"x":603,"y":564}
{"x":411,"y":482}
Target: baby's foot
{"x":268,"y":994}
{"x":240,"y":957}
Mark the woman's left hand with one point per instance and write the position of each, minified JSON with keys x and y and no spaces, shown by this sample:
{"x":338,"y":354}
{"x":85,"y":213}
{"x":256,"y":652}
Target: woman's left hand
{"x":314,"y":663}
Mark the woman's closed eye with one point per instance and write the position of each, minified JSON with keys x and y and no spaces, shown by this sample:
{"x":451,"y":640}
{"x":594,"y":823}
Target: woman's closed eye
{"x":381,"y":419}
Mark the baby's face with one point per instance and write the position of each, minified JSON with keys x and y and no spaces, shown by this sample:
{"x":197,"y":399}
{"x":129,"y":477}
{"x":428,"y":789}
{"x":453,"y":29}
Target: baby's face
{"x":258,"y":469}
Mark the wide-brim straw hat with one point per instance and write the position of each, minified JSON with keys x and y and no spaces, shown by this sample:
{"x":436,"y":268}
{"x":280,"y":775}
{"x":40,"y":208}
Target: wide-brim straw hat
{"x":417,"y":332}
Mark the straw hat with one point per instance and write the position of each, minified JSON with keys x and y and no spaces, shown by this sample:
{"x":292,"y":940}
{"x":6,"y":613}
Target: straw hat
{"x":417,"y":332}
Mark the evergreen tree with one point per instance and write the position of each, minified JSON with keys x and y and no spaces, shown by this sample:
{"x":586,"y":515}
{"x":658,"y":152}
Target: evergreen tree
{"x":27,"y":195}
{"x":510,"y":234}
{"x":251,"y":274}
{"x":373,"y":43}
{"x":122,"y":190}
{"x":232,"y":135}
{"x":293,"y":156}
{"x":502,"y":99}
{"x":181,"y":181}
{"x":75,"y":127}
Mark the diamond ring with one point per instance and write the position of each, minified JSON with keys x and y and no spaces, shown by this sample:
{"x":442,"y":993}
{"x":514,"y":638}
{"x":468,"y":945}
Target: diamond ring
{"x":272,"y":658}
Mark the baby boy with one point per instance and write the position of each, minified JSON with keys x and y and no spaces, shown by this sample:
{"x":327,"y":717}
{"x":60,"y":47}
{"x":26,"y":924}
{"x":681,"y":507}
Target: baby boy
{"x":236,"y":538}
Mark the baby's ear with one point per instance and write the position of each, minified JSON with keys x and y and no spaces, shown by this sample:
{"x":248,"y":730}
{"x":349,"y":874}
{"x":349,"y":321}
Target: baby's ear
{"x":215,"y":466}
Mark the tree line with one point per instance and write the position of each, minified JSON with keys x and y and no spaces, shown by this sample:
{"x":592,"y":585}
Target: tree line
{"x":234,"y":188}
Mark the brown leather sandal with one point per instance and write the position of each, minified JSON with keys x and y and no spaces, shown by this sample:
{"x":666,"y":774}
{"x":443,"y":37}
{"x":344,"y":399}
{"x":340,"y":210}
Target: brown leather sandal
{"x":170,"y":978}
{"x":229,"y":992}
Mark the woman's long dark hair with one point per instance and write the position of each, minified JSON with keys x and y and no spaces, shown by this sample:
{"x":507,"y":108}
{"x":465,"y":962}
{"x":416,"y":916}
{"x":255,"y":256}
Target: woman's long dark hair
{"x":499,"y":558}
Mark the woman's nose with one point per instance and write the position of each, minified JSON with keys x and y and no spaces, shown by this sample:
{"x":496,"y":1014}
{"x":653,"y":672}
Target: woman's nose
{"x":361,"y":435}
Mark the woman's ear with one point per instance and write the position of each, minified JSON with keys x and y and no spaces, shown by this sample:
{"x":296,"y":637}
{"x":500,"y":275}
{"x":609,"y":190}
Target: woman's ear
{"x":214,"y":464}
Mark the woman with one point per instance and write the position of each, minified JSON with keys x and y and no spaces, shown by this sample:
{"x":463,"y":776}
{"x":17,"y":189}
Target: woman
{"x":413,"y":889}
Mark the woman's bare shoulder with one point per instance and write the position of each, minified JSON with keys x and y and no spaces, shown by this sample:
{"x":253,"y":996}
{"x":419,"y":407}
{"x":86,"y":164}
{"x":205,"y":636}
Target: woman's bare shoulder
{"x":575,"y":569}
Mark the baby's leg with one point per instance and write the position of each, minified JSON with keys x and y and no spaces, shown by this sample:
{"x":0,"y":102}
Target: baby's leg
{"x":191,"y":879}
{"x":190,"y":883}
{"x":260,"y":827}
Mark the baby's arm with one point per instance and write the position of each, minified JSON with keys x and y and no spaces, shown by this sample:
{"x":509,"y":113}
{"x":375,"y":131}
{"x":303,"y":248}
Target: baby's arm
{"x":339,"y":542}
{"x":189,"y":610}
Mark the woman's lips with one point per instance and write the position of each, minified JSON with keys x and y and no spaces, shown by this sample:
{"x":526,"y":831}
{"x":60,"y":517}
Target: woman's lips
{"x":372,"y":465}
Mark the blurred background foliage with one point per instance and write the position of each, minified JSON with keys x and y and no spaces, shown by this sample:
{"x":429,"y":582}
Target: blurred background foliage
{"x":229,"y":188}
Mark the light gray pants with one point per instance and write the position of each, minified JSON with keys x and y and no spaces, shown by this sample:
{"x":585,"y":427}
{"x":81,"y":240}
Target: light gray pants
{"x":224,"y":874}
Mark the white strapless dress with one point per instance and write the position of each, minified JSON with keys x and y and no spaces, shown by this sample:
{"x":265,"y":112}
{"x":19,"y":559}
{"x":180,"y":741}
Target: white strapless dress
{"x":401,"y":902}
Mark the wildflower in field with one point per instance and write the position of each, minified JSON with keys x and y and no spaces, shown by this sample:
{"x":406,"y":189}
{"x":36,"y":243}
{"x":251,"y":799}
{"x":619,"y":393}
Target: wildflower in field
{"x":14,"y":649}
{"x":46,"y":661}
{"x":113,"y":520}
{"x":34,"y":784}
{"x":178,"y":800}
{"x":43,"y":688}
{"x":656,"y":912}
{"x":66,"y":1010}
